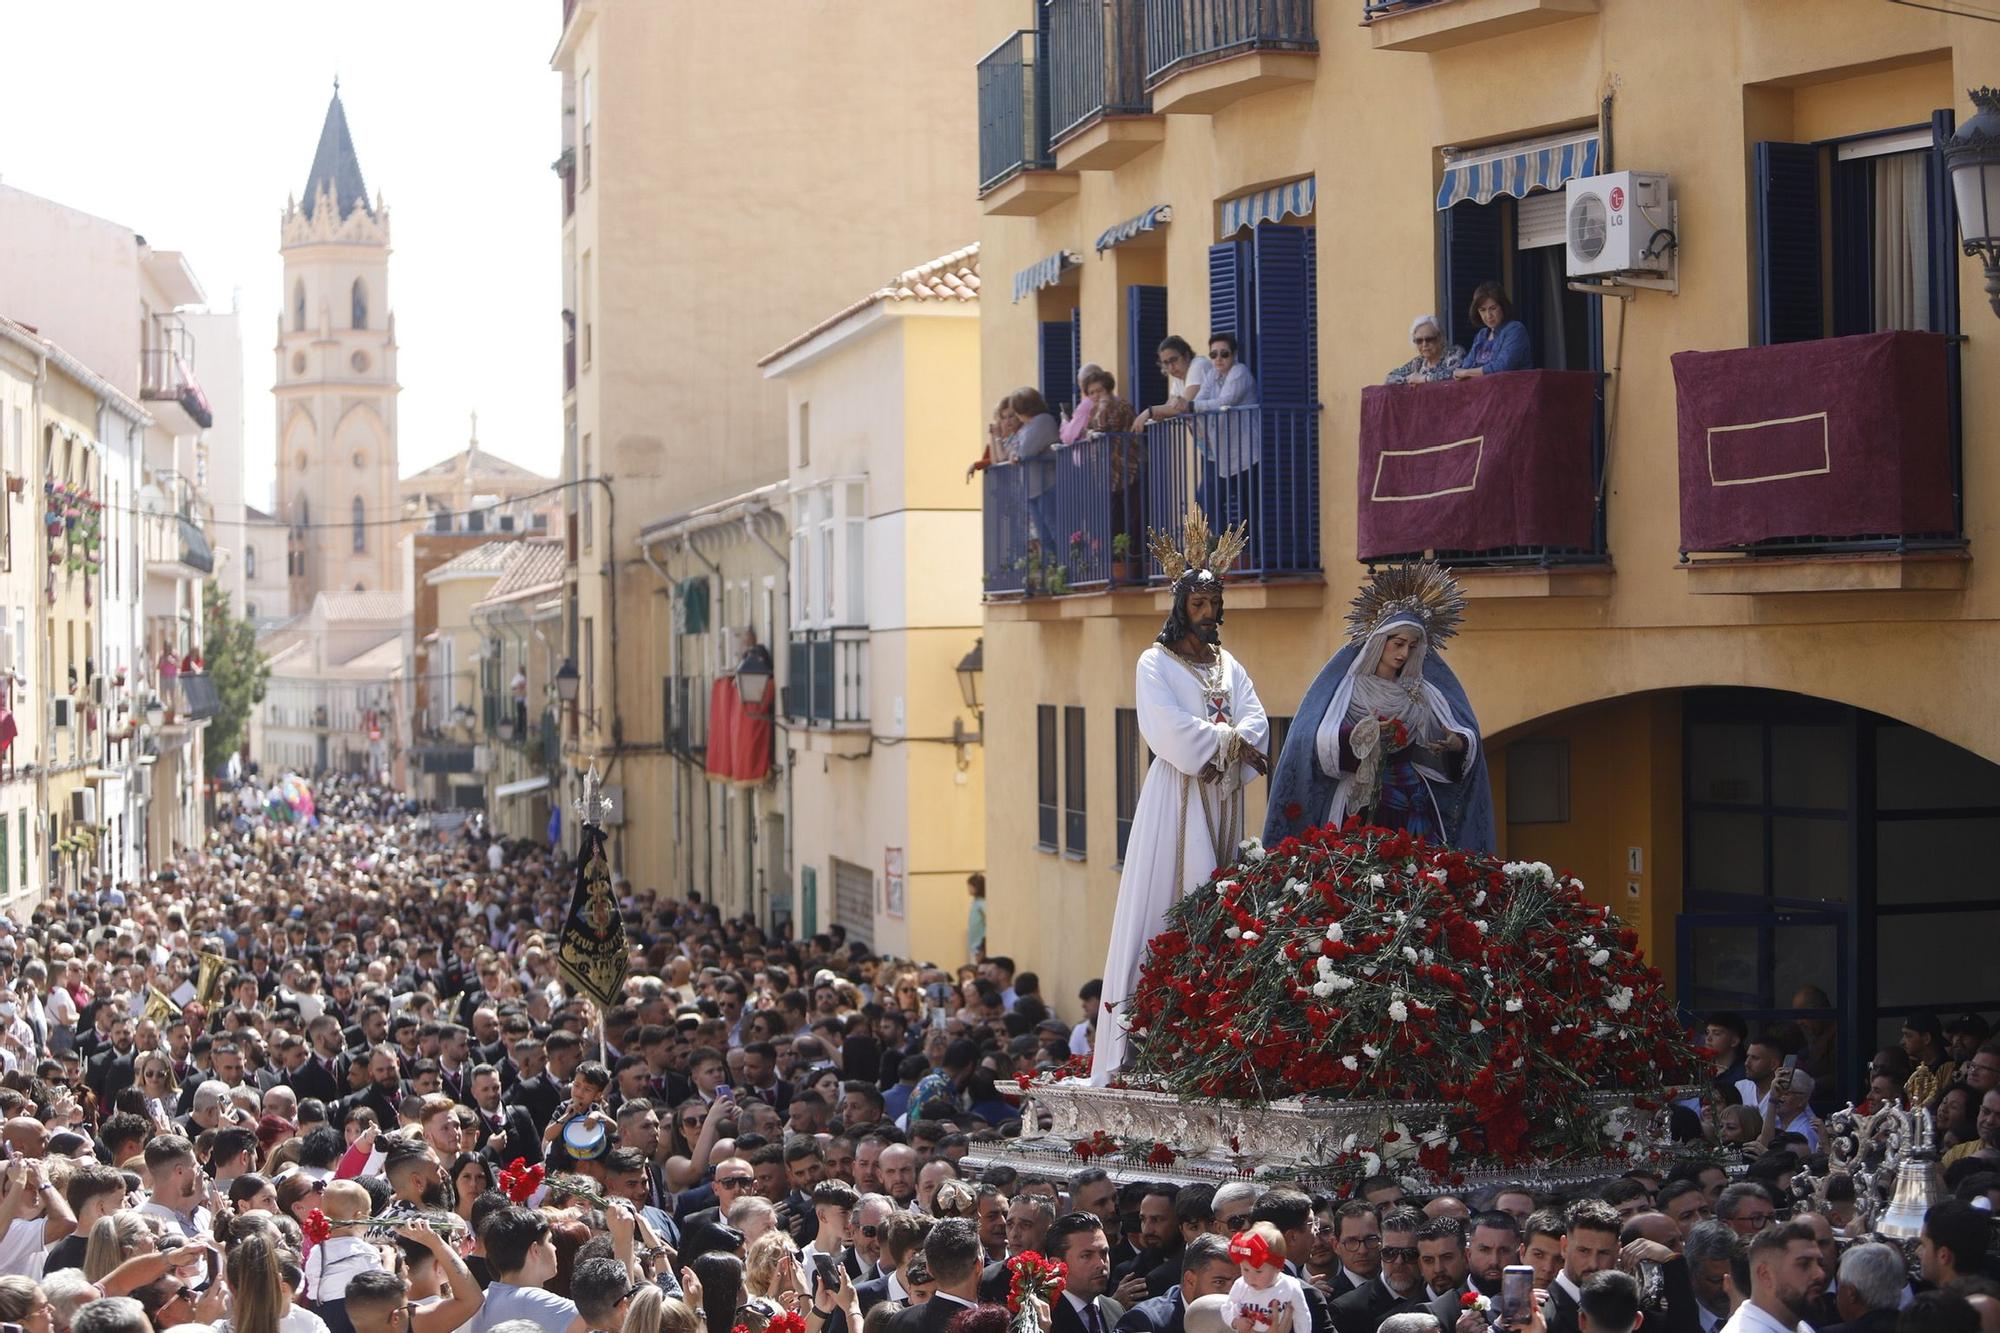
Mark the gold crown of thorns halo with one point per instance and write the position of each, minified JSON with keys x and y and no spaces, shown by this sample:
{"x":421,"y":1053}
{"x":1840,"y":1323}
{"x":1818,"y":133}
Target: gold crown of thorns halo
{"x":1198,"y":550}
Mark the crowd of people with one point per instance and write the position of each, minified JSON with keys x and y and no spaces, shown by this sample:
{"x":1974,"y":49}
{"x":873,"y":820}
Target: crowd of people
{"x":326,"y":1077}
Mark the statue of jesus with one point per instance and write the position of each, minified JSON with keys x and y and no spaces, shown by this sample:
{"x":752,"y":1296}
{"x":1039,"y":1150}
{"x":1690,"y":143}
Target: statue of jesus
{"x":1206,"y":728}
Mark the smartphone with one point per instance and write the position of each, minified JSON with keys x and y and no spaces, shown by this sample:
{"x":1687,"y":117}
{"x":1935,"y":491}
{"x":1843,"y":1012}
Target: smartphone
{"x":724,"y":1093}
{"x":1791,"y":1063}
{"x":1517,"y":1295}
{"x":823,"y":1271}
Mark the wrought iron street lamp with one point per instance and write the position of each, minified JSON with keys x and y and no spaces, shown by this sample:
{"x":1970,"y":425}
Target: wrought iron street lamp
{"x":1972,"y":156}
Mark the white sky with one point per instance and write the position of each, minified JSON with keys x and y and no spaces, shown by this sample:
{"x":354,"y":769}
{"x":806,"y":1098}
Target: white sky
{"x":191,"y":122}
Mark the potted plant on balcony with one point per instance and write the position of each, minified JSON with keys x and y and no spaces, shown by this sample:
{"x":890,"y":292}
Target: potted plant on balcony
{"x":1124,"y":569}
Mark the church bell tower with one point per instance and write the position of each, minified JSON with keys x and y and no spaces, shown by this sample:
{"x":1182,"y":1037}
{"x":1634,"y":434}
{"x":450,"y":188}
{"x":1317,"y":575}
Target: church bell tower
{"x":336,"y":379}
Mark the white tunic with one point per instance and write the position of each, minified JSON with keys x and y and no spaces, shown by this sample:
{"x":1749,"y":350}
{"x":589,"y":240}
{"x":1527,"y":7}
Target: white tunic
{"x":1171,"y":823}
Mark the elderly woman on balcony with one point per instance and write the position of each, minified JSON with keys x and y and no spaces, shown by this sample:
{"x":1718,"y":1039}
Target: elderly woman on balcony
{"x":1502,"y":341}
{"x":1078,"y":425}
{"x":1031,"y":447}
{"x":1108,"y":412}
{"x":1435,"y":360}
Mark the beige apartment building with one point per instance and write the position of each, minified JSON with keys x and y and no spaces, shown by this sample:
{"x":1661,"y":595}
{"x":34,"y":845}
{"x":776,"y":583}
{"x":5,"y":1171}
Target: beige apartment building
{"x":711,"y":210}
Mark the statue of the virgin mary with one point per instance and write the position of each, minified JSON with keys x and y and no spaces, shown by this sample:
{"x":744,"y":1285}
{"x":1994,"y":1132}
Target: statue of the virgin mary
{"x":1386,"y":733}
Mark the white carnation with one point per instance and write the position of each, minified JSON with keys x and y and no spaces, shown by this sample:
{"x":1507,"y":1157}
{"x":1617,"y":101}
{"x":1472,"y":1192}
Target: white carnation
{"x":1600,"y":958}
{"x":1409,"y":953}
{"x":1352,"y":1064}
{"x":1513,"y":1004}
{"x":1370,"y":1051}
{"x":1334,"y":933}
{"x":1399,"y":1011}
{"x":1620,"y":1000}
{"x":1475,"y":1027}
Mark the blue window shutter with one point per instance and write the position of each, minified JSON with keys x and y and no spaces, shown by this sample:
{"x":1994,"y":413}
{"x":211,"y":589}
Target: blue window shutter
{"x":1470,"y":243}
{"x":1145,"y":329}
{"x":1231,"y":297}
{"x":1283,"y":320}
{"x":1944,"y":231}
{"x":1852,"y":201}
{"x":1790,"y":304}
{"x":1058,"y":359}
{"x":1312,"y":313}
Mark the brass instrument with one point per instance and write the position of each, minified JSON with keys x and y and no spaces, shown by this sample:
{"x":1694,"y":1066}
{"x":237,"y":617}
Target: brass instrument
{"x":208,"y":975}
{"x":159,"y":1008}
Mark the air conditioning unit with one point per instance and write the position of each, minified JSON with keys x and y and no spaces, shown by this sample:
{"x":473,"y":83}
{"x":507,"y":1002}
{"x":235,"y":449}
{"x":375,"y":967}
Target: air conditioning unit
{"x":83,"y":806}
{"x":61,"y":709}
{"x":1610,"y":222}
{"x":100,"y":691}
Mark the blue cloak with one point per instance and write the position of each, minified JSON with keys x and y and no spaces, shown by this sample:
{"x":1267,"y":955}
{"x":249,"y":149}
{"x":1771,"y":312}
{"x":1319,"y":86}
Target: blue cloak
{"x":1466,"y":806}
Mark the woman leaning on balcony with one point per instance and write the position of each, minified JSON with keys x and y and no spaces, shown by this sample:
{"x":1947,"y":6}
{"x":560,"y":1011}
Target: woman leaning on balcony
{"x":1502,"y":341}
{"x":1078,"y":424}
{"x":1000,"y":430}
{"x":1435,"y":359}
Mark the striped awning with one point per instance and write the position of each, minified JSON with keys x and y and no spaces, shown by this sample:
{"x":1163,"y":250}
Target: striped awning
{"x":1293,"y":199}
{"x":1044,"y":273}
{"x":1156,"y":216}
{"x":1517,"y":168}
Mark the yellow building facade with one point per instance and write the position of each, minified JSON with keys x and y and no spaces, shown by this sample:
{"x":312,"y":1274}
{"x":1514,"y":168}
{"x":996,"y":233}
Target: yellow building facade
{"x":888,"y":795}
{"x":1762,"y":753}
{"x":706,"y":216}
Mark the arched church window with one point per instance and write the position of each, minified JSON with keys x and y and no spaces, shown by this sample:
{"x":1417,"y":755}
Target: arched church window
{"x":360,"y":526}
{"x":299,"y":306}
{"x":359,"y":297}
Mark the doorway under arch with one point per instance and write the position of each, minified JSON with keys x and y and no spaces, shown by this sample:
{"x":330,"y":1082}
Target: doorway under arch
{"x":1769,"y":842}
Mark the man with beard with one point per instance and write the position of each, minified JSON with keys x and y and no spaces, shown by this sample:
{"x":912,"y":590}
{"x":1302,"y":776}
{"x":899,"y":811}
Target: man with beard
{"x":384,"y":1092}
{"x":1201,"y":717}
{"x":1159,"y":1245}
{"x":1786,"y":1271}
{"x":506,"y":1132}
{"x":1396,"y":1289}
{"x":415,"y":1179}
{"x":110,"y":1071}
{"x":1029,"y":1217}
{"x":1591,"y":1247}
{"x":1206,"y":1270}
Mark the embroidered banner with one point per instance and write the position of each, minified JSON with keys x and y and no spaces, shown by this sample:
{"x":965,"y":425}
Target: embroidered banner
{"x":592,"y":956}
{"x":1835,"y":439}
{"x":1477,"y":465}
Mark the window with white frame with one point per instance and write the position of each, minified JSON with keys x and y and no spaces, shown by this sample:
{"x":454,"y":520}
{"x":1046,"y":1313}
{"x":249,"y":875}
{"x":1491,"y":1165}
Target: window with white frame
{"x":829,"y":554}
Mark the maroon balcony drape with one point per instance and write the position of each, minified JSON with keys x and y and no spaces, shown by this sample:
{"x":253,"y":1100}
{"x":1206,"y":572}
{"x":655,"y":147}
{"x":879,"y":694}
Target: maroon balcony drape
{"x":1839,"y":438}
{"x":1477,"y":465}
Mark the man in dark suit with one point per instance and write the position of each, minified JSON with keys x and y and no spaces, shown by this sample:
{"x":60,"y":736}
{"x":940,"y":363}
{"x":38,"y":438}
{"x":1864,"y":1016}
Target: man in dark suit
{"x":1079,"y":1241}
{"x":1291,"y":1212}
{"x":1206,"y":1270}
{"x":760,"y":1077}
{"x":1395,"y":1289}
{"x":537,"y":1089}
{"x":1441,"y":1259}
{"x":322,"y":1076}
{"x":383,"y":1095}
{"x":862,"y":1261}
{"x":1591,"y":1247}
{"x":1029,"y":1217}
{"x":512,"y":1124}
{"x":952,"y":1250}
{"x":1357,"y":1247}
{"x":902,"y":1235}
{"x":110,"y":1071}
{"x":1870,"y":1294}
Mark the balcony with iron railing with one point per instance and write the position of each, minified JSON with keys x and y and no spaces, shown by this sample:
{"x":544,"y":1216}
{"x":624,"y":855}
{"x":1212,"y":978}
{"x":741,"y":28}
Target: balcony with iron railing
{"x":1075,"y":520}
{"x":1498,"y":475}
{"x":1829,"y":464}
{"x":1440,"y":25}
{"x":1016,"y":169}
{"x":827,"y":677}
{"x":1099,"y":113}
{"x":1203,"y":55}
{"x":166,"y":378}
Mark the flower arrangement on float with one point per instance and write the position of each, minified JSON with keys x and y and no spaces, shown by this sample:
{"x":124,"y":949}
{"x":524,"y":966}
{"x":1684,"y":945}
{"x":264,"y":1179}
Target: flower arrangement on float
{"x":1422,"y":1009}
